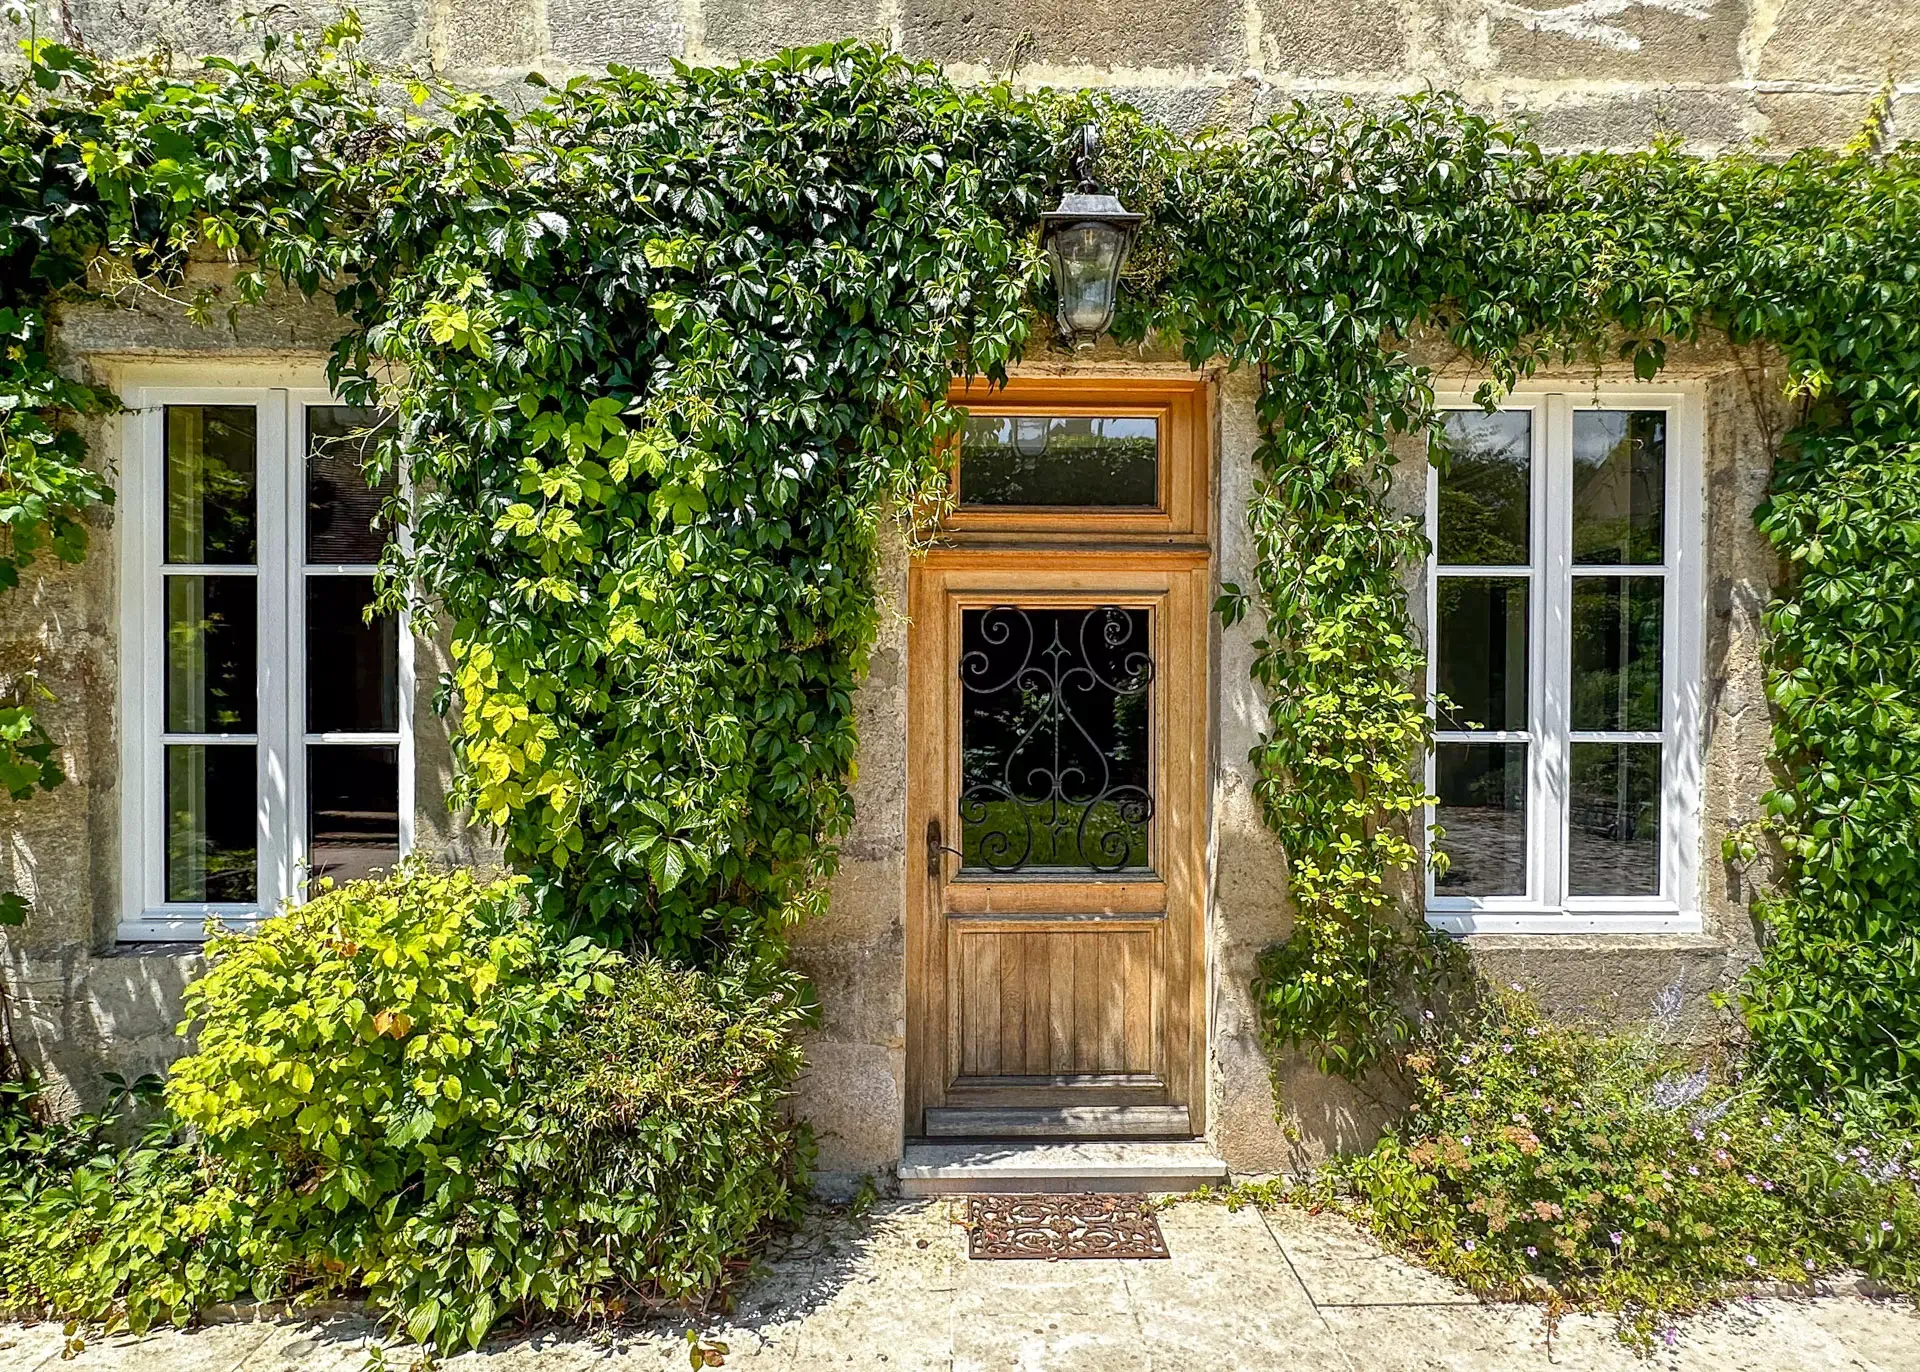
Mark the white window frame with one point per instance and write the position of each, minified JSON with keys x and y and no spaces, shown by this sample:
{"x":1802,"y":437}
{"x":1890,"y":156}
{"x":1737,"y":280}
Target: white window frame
{"x":280,"y":571}
{"x":1546,"y":908}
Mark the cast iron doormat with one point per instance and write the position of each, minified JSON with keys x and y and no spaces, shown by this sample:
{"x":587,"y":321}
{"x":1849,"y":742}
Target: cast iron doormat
{"x":1062,"y":1226}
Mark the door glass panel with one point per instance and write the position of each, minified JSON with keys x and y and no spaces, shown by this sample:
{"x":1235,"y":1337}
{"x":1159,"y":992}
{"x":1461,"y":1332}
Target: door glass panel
{"x":1055,"y":741}
{"x":1616,"y":652}
{"x":341,"y":506}
{"x":1482,"y":788}
{"x":1485,"y":466}
{"x":1619,"y":486}
{"x":1482,"y":651}
{"x":352,"y":666}
{"x":353,"y":809}
{"x":1613,"y":840}
{"x":212,"y":626}
{"x":211,"y":451}
{"x":213,"y":834}
{"x":1060,"y":460}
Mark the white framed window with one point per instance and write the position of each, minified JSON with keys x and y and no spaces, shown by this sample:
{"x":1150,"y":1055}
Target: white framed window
{"x":1565,"y":607}
{"x":266,"y":737}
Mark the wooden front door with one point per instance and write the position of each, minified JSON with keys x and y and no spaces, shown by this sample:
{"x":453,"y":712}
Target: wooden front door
{"x":1059,"y":801}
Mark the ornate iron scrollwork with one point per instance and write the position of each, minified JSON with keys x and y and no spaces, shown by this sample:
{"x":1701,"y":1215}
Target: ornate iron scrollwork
{"x":1054,"y":737}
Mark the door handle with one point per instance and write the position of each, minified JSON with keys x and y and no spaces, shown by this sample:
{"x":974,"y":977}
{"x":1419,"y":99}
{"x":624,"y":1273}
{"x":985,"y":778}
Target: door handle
{"x":936,"y":869}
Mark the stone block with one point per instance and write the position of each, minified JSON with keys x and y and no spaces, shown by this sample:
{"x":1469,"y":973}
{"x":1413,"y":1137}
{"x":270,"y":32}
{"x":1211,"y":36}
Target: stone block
{"x":1360,"y":38}
{"x":862,"y":992}
{"x":1710,"y":121}
{"x":1692,"y":41}
{"x":1229,"y":107}
{"x":1830,"y":41}
{"x":396,"y":30}
{"x":735,"y":29}
{"x":635,"y":33}
{"x":488,"y":33}
{"x":1126,"y":34}
{"x":1809,"y":119}
{"x":853,"y":1095}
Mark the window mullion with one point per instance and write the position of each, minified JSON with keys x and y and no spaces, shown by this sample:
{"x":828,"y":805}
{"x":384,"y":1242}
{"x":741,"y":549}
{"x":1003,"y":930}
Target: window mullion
{"x":277,"y":720}
{"x":1553,"y":661}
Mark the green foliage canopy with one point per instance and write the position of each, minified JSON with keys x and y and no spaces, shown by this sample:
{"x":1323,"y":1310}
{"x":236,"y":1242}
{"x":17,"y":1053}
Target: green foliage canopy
{"x":658,"y":351}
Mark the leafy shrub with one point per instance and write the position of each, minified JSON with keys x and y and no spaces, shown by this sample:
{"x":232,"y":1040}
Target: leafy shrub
{"x":1542,"y":1161}
{"x":147,"y":1234}
{"x":430,"y":1095}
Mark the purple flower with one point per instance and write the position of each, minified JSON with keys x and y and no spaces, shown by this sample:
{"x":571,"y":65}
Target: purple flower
{"x":1532,"y":1252}
{"x":1466,"y":1140}
{"x":1672,"y":1337}
{"x":1614,"y":1238}
{"x":1752,"y":1261}
{"x":1468,"y":1245}
{"x":1886,"y":1226}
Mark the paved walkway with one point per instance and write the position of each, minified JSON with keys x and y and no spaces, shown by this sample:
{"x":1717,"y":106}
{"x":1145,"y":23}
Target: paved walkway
{"x":1242,"y":1290}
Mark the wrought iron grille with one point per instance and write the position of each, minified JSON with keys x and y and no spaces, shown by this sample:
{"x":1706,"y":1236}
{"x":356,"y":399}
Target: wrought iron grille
{"x":1055,"y":739}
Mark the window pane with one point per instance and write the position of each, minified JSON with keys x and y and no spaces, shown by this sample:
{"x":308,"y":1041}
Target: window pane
{"x":1041,"y":460}
{"x":212,"y":662}
{"x":1482,"y":789}
{"x":340,"y":505}
{"x":1485,"y":466}
{"x":353,"y":810}
{"x":352,"y":666}
{"x":1619,"y":486}
{"x":212,"y":829}
{"x":1054,"y":739}
{"x":1617,"y":652}
{"x":1613,"y":841}
{"x":210,"y":483}
{"x":1482,"y":651}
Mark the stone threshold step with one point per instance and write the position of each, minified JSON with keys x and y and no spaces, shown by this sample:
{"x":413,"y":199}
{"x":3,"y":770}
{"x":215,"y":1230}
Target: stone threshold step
{"x":948,"y":1169}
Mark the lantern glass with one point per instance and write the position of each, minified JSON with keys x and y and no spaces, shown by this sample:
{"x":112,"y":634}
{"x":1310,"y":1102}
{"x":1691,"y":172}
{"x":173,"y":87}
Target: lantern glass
{"x":1086,"y":270}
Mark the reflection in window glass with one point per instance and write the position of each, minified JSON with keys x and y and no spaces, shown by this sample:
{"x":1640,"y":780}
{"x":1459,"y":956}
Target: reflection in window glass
{"x":211,"y":457}
{"x":352,"y":666}
{"x":1482,"y":789}
{"x":212,"y":663}
{"x":1482,"y":651}
{"x":1485,"y":466}
{"x":1613,"y":838}
{"x":1054,"y":739}
{"x":212,"y":830}
{"x":1619,"y":486}
{"x":341,"y":507}
{"x":1060,"y":460}
{"x":353,"y":810}
{"x":1617,"y":622}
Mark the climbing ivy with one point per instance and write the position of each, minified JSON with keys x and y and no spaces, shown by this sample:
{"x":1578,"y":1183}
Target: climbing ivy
{"x":659,"y":353}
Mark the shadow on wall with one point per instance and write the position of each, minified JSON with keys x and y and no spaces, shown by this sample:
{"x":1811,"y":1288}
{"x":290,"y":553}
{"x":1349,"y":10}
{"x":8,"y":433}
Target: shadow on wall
{"x":77,"y":1017}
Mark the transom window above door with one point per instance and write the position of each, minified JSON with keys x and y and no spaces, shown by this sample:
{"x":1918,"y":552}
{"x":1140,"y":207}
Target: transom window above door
{"x":266,"y":743}
{"x":1080,"y":458}
{"x":1565,"y":610}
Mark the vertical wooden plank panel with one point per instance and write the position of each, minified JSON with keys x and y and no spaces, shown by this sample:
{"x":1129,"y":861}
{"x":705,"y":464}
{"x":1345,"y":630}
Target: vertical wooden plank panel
{"x":1113,"y":980}
{"x":1013,"y":1006}
{"x":1086,"y":1030}
{"x":1137,"y":1014}
{"x":1060,"y":1004}
{"x":982,"y":1009}
{"x":1033,"y":972}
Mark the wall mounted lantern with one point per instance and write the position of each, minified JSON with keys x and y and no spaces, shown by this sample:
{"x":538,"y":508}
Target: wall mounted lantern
{"x":1087,"y":238}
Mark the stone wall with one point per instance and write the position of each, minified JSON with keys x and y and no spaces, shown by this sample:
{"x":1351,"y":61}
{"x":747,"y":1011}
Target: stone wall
{"x":1721,"y":72}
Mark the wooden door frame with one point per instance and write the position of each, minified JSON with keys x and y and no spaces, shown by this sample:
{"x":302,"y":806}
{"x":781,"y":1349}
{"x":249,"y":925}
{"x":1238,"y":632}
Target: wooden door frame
{"x":1164,"y":554}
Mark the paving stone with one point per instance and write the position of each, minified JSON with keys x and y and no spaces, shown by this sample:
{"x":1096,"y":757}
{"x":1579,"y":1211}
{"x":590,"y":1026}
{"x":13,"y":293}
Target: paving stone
{"x":1238,"y":1292}
{"x":1883,"y":1334}
{"x":1341,"y":1265}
